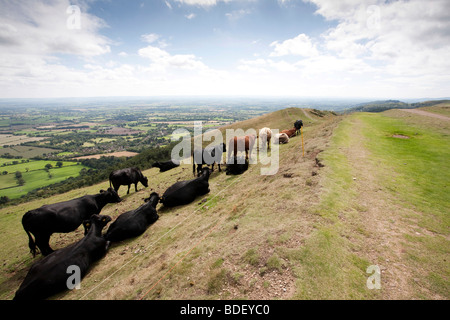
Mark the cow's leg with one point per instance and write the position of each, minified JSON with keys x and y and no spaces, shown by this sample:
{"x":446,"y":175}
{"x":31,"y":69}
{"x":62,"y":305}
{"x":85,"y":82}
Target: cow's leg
{"x":220,"y":170}
{"x":42,"y":242}
{"x":128,"y":192}
{"x":135,"y":187}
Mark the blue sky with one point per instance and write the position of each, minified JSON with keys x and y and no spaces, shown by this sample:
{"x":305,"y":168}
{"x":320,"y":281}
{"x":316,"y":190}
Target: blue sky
{"x":220,"y":34}
{"x":320,"y":48}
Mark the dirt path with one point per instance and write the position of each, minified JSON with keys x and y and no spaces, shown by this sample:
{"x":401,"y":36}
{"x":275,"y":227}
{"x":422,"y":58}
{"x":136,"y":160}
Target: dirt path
{"x":381,"y":219}
{"x":307,"y":115}
{"x":426,"y":113}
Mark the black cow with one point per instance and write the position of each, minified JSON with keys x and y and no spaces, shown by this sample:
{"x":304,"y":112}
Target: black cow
{"x":134,"y":223}
{"x":298,"y":125}
{"x":127,"y":177}
{"x":237,"y":166}
{"x":166,"y":166}
{"x":50,"y":275}
{"x":62,"y":217}
{"x":184,"y":192}
{"x":209,"y":156}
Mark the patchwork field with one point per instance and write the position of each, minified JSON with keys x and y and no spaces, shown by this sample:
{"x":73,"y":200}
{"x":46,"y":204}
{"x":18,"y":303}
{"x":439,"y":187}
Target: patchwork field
{"x":12,"y":140}
{"x":114,"y":154}
{"x":26,"y":152}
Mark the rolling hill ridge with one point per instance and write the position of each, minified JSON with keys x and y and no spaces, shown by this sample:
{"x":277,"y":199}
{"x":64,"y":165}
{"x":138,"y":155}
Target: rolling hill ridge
{"x":308,"y":232}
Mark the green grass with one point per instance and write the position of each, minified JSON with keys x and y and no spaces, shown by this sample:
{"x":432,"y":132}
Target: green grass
{"x":327,"y":268}
{"x":64,"y":154}
{"x":7,"y":181}
{"x":251,"y":257}
{"x":31,"y":165}
{"x":414,"y":172}
{"x":36,"y":179}
{"x":418,"y":168}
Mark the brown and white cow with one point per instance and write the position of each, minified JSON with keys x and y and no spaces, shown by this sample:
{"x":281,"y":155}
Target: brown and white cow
{"x":265,"y":136}
{"x":237,"y":144}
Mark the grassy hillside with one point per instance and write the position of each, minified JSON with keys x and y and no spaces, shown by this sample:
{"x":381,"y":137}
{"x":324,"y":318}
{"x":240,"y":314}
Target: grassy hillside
{"x":308,"y":232}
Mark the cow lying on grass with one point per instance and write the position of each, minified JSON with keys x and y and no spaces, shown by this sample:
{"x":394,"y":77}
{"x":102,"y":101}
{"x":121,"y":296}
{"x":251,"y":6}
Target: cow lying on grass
{"x":237,"y":166}
{"x":166,"y":166}
{"x":49,"y":276}
{"x":184,"y":192}
{"x":134,"y":223}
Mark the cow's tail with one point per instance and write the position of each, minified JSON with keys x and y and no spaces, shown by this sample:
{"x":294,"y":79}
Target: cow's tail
{"x":31,"y":243}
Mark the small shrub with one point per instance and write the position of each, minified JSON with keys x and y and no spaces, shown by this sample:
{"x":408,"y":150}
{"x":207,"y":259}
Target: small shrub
{"x":251,"y":257}
{"x":274,"y":262}
{"x":216,"y":281}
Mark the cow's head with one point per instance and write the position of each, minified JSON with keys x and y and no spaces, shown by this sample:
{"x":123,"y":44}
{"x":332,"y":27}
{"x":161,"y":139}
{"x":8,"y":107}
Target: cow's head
{"x":144,"y":181}
{"x":153,"y":199}
{"x":99,"y":220}
{"x":206,"y":172}
{"x":156,"y":165}
{"x":111,"y":195}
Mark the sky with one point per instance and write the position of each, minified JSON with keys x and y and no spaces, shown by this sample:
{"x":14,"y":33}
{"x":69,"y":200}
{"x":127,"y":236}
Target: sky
{"x":286,"y":48}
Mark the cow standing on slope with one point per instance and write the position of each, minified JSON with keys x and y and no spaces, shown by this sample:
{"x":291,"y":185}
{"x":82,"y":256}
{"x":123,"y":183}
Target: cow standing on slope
{"x":62,"y":217}
{"x":208,"y":156}
{"x":238,"y":144}
{"x":127,"y":177}
{"x":298,"y":125}
{"x":265,"y":136}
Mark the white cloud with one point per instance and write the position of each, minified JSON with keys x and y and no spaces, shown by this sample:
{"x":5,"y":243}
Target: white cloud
{"x":237,"y":14}
{"x":391,"y":41}
{"x":201,"y":3}
{"x":40,"y":27}
{"x":150,"y":38}
{"x":410,"y":34}
{"x":163,"y":59}
{"x":168,"y":5}
{"x":33,"y":35}
{"x":190,"y":16}
{"x":299,"y":46}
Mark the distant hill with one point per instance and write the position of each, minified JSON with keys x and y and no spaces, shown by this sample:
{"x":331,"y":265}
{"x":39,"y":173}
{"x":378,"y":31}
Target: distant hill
{"x":383,"y":105}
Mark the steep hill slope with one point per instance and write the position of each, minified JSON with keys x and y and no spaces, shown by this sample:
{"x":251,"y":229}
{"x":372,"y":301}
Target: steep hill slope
{"x":251,"y":213}
{"x":310,"y":231}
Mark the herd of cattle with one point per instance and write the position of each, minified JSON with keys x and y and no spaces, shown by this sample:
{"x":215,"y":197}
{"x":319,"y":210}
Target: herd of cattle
{"x":49,"y":275}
